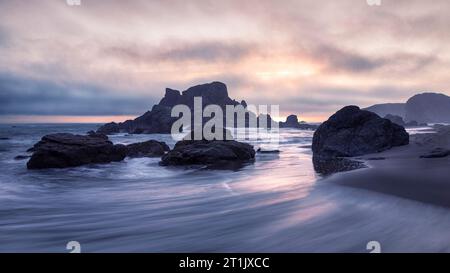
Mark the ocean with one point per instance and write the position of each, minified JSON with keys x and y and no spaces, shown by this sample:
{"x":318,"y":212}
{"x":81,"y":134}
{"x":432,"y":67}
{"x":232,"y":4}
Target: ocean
{"x":277,"y":204}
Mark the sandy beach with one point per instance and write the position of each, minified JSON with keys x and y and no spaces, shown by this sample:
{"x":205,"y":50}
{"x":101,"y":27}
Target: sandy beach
{"x":402,"y":172}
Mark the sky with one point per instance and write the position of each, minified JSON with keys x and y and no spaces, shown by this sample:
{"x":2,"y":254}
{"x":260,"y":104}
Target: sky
{"x":110,"y":60}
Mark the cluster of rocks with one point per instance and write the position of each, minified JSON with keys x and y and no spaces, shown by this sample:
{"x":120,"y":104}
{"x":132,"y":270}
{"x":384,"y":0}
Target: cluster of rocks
{"x":64,"y":150}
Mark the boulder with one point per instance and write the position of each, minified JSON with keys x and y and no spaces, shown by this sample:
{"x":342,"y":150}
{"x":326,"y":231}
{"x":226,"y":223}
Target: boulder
{"x":354,"y":132}
{"x":64,"y":150}
{"x":209,"y":153}
{"x":151,"y":148}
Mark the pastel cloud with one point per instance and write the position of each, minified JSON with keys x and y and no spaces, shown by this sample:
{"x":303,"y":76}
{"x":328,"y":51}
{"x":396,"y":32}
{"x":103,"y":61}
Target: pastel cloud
{"x":310,"y":57}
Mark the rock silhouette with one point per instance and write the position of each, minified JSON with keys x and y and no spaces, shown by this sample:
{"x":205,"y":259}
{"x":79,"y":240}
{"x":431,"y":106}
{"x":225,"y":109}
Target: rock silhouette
{"x":421,"y":108}
{"x":354,"y":132}
{"x":159,"y":119}
{"x":64,"y":150}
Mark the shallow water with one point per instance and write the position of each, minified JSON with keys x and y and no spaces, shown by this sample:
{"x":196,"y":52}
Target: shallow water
{"x":277,"y":204}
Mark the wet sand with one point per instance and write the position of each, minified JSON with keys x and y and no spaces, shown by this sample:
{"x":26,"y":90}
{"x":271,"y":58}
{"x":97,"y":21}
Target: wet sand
{"x":401,"y":172}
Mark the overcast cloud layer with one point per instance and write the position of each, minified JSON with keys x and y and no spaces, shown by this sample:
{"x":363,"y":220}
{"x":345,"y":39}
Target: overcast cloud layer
{"x":113,"y":57}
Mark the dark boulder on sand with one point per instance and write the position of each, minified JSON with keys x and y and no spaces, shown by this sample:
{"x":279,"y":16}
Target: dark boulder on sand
{"x":354,"y":132}
{"x":213,"y":153}
{"x":64,"y":150}
{"x":151,"y":148}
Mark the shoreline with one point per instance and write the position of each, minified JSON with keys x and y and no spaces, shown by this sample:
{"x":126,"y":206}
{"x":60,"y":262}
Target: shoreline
{"x":401,"y":172}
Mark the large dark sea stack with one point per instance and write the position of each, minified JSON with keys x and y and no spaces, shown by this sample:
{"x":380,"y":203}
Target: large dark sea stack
{"x":159,"y":119}
{"x":354,"y":132}
{"x":67,"y":150}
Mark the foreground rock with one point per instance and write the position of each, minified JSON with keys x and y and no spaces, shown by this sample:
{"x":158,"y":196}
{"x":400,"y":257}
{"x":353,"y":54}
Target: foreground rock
{"x":354,"y":132}
{"x":215,"y":153}
{"x":67,"y":150}
{"x":151,"y":148}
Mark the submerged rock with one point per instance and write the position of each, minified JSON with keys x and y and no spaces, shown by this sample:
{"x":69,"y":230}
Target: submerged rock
{"x":151,"y":148}
{"x":354,"y":132}
{"x":261,"y":151}
{"x":21,"y":157}
{"x":437,"y":153}
{"x":64,"y":150}
{"x":210,"y":153}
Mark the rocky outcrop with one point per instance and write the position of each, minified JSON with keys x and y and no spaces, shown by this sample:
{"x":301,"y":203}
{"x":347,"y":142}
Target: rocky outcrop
{"x":354,"y":132}
{"x":159,"y":119}
{"x":151,"y":148}
{"x":292,"y":122}
{"x":422,"y":108}
{"x":209,"y":153}
{"x":109,"y":128}
{"x":67,"y":150}
{"x":428,"y":108}
{"x":212,"y":153}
